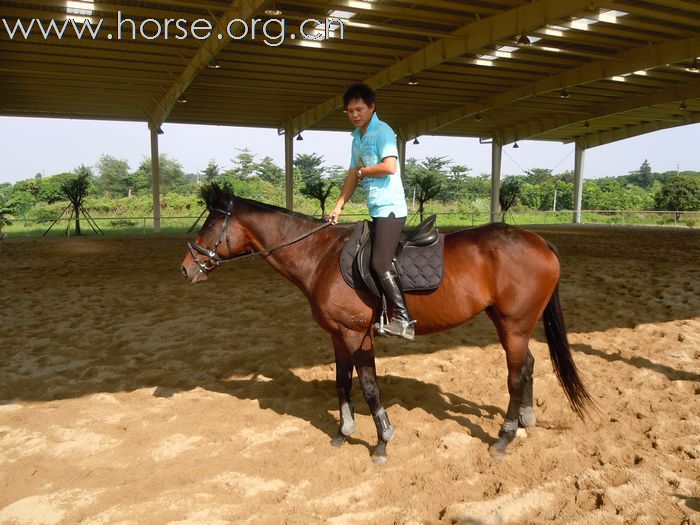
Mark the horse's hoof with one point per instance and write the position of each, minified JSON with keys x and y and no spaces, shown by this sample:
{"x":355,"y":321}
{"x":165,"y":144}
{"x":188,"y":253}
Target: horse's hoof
{"x":527,"y":418}
{"x":379,"y":459}
{"x":497,"y":451}
{"x":338,"y":440}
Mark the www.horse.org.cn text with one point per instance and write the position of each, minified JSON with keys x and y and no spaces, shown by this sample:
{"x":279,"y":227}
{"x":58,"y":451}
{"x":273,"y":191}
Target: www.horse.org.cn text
{"x":271,"y":31}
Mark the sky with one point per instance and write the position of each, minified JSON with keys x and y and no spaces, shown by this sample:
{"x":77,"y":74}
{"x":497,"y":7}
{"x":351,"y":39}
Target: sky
{"x":35,"y":145}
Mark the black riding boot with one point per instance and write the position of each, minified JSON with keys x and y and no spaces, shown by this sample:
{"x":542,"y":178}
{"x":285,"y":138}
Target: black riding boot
{"x":401,"y":324}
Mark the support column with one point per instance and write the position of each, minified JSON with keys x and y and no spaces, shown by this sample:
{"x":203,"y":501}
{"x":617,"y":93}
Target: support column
{"x":496,"y":152}
{"x":289,"y":168}
{"x":155,"y":177}
{"x":401,"y":143}
{"x":579,"y":155}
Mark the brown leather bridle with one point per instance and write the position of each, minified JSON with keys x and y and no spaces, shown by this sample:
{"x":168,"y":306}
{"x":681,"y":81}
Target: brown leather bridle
{"x":213,"y":260}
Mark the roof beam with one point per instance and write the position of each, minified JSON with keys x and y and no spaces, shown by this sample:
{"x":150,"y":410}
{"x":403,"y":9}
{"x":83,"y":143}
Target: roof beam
{"x":606,"y":137}
{"x":470,"y":37}
{"x":644,"y":57}
{"x":533,"y":129}
{"x":239,"y":9}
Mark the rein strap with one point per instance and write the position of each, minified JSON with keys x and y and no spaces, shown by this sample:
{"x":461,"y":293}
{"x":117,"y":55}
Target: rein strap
{"x":267,"y":251}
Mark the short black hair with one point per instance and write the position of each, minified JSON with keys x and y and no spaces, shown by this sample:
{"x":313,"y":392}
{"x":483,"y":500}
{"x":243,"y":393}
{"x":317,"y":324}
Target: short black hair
{"x":359,"y":91}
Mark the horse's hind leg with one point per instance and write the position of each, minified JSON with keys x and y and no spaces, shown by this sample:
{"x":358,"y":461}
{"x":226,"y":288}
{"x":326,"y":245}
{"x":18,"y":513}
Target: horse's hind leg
{"x":526,"y":415}
{"x":343,"y":383}
{"x":520,"y":366}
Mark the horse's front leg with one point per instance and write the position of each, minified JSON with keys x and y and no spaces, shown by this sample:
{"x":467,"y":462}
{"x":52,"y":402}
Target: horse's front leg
{"x":366,"y":370}
{"x":343,"y":383}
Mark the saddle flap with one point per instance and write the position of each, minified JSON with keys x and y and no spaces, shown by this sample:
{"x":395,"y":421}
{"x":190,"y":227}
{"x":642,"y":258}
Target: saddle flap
{"x":419,"y":266}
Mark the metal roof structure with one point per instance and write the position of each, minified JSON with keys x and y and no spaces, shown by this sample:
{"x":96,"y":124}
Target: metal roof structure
{"x":584,"y":71}
{"x":593,"y":69}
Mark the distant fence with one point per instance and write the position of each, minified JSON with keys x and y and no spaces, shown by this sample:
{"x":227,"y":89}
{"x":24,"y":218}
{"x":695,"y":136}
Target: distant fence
{"x":120,"y":225}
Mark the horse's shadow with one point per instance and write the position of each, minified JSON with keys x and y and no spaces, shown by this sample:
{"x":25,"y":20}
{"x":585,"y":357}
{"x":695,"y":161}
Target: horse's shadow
{"x":314,"y":401}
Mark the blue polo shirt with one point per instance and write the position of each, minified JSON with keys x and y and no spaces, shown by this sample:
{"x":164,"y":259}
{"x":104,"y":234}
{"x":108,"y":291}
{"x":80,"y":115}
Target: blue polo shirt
{"x":384,"y":194}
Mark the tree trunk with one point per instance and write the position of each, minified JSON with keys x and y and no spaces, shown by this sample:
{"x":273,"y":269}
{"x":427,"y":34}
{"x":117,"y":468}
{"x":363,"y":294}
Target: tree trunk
{"x":420,"y":210}
{"x":77,"y":220}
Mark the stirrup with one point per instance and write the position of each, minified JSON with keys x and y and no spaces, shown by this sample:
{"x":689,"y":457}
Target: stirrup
{"x":397,"y":327}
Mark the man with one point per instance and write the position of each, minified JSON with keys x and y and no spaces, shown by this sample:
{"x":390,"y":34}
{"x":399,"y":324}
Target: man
{"x":374,"y":161}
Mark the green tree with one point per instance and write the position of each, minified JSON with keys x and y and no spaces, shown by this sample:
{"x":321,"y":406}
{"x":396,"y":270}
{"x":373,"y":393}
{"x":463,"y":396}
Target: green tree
{"x":212,"y":171}
{"x":49,"y":188}
{"x":172,"y":177}
{"x":509,"y":193}
{"x":643,"y":177}
{"x":456,"y":185}
{"x":244,"y":163}
{"x":309,"y":165}
{"x":679,"y":193}
{"x":113,"y":176}
{"x":23,"y":197}
{"x":565,"y":195}
{"x":316,"y":183}
{"x":5,"y":211}
{"x":538,"y":176}
{"x":268,"y":171}
{"x":426,"y":178}
{"x":76,"y":187}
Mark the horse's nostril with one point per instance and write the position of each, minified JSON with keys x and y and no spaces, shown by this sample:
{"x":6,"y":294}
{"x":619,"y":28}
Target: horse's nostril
{"x":184,"y":271}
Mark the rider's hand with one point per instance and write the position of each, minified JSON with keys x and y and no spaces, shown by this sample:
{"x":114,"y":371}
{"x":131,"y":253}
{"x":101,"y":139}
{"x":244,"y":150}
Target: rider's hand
{"x":335,"y":215}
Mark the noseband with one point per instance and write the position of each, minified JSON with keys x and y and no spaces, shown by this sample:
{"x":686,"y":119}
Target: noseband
{"x":212,"y":260}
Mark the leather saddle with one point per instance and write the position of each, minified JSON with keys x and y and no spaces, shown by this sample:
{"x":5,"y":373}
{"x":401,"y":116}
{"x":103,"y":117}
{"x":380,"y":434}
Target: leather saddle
{"x":418,"y":260}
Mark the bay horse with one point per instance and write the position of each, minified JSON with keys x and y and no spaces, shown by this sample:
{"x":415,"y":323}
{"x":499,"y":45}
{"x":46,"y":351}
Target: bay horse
{"x":508,"y":272}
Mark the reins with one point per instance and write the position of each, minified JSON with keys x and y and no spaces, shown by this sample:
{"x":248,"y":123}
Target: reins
{"x":281,"y":245}
{"x":213,"y":260}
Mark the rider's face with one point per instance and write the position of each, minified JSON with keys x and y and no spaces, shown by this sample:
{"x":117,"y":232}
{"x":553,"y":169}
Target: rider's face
{"x":360,"y":113}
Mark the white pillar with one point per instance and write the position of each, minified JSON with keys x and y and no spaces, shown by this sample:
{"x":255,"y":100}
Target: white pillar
{"x":496,"y":151}
{"x":579,"y":155}
{"x":402,"y":156}
{"x":155,"y":177}
{"x":289,"y":168}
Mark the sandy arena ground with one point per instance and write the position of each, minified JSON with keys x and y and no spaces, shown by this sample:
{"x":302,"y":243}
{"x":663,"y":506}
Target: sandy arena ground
{"x":129,"y":396}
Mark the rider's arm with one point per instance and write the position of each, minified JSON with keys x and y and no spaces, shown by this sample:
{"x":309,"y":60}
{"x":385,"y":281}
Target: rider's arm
{"x":386,"y":167}
{"x":348,"y":189}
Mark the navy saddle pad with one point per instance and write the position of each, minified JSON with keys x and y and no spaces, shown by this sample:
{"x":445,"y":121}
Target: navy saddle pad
{"x":418,"y":260}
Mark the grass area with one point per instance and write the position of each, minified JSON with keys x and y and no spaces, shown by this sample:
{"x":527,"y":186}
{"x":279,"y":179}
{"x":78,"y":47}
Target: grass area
{"x":174,"y":225}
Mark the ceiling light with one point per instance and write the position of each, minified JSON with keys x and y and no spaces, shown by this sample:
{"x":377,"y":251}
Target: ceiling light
{"x":181,"y":99}
{"x":523,"y":40}
{"x":412,"y":80}
{"x":683,"y":106}
{"x":213,"y":65}
{"x":564,"y":93}
{"x":478,"y":117}
{"x":586,"y":124}
{"x":299,"y":137}
{"x":160,"y":131}
{"x":695,"y":66}
{"x":272,"y":10}
{"x":515,"y":146}
{"x":415,"y":141}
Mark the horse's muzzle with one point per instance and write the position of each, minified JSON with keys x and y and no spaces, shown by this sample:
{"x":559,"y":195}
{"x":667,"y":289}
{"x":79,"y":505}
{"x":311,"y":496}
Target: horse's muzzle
{"x":193,"y":274}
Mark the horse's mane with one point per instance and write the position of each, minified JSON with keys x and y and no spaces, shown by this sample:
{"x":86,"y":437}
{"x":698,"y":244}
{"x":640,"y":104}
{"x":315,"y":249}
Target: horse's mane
{"x":216,"y":196}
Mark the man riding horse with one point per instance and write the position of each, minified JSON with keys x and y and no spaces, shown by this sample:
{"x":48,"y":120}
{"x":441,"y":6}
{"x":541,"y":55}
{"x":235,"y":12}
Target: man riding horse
{"x":374,"y":161}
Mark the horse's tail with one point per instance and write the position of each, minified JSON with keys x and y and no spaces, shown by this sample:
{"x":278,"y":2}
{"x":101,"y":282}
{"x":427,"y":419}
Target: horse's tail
{"x":560,"y":353}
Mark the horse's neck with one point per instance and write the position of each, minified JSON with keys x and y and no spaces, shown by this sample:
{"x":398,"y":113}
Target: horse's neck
{"x":269,"y":228}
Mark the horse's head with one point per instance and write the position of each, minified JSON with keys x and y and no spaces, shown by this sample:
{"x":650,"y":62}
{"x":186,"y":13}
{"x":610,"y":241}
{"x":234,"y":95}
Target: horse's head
{"x":220,"y":238}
